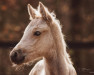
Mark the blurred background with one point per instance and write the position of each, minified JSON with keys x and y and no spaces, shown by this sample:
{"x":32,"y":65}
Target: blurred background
{"x":76,"y":17}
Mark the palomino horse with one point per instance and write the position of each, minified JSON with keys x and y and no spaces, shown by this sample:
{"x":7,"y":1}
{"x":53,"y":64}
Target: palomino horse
{"x":43,"y":38}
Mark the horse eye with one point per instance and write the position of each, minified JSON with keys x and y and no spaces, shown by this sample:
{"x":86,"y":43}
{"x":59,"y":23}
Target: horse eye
{"x":37,"y":33}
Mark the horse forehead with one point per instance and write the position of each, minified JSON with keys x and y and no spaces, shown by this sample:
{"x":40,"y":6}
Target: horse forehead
{"x":37,"y":22}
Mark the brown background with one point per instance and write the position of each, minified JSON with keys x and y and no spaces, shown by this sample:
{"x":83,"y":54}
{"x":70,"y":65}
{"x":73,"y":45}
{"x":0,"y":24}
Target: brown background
{"x":76,"y":17}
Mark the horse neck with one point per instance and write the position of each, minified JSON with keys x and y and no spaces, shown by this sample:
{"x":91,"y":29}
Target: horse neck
{"x":58,"y":61}
{"x":56,"y":64}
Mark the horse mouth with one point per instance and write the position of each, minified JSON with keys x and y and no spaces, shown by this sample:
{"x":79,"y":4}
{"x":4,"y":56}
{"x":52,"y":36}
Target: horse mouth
{"x":19,"y":61}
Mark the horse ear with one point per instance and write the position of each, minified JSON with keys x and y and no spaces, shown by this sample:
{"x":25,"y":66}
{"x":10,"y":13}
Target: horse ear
{"x":45,"y":13}
{"x":31,"y":11}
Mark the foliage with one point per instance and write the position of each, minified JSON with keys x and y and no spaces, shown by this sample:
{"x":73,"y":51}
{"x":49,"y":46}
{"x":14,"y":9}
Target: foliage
{"x":76,"y":17}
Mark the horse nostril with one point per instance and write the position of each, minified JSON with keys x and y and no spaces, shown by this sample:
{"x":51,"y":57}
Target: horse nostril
{"x":14,"y":55}
{"x":17,"y":56}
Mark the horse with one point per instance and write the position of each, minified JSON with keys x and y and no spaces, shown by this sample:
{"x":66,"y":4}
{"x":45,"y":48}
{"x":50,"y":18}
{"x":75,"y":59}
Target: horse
{"x":43,"y":38}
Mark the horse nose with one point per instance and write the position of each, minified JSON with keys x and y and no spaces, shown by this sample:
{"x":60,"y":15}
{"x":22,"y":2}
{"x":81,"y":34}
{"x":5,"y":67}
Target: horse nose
{"x":17,"y":56}
{"x":14,"y":55}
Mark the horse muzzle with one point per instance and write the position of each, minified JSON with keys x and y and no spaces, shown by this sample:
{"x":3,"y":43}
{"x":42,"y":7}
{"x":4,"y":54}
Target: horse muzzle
{"x":17,"y":56}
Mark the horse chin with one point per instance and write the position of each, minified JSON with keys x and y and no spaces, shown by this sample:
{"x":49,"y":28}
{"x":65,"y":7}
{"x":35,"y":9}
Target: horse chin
{"x":32,"y":62}
{"x":18,"y":66}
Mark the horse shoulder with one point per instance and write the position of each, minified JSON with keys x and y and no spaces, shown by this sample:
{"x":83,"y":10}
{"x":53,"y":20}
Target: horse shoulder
{"x":38,"y":69}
